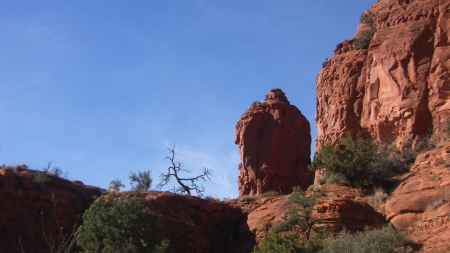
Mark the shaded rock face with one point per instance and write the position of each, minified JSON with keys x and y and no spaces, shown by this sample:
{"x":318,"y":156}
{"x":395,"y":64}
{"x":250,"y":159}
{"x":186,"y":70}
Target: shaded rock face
{"x":274,"y":142}
{"x":336,"y":212}
{"x":200,"y":225}
{"x":25,"y":209}
{"x":420,"y":206}
{"x":398,"y":90}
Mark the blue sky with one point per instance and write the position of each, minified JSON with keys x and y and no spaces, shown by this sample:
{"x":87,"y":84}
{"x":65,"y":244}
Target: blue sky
{"x":103,"y":87}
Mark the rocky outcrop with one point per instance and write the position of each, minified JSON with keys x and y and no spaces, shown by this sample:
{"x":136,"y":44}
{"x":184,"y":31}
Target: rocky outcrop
{"x":397,"y":90}
{"x":338,"y":207}
{"x":200,"y":225}
{"x":25,"y":209}
{"x":274,"y":142}
{"x":420,"y":206}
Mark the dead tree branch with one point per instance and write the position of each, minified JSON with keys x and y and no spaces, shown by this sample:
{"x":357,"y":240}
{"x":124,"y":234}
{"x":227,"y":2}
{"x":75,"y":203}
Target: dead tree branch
{"x":174,"y":171}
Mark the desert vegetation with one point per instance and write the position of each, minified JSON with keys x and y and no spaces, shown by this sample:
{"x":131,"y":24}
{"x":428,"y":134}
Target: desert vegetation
{"x":120,"y":225}
{"x":359,"y":162}
{"x":362,"y":41}
{"x":186,"y":184}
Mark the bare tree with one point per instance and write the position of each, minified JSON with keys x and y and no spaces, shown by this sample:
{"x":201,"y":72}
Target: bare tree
{"x":175,"y":169}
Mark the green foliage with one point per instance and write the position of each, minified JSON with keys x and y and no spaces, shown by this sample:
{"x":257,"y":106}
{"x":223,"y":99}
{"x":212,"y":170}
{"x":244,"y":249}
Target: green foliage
{"x":384,"y":240}
{"x":360,"y":162}
{"x":284,"y":237}
{"x":255,"y":102}
{"x":301,"y":215}
{"x":369,"y":18}
{"x":115,"y":185}
{"x":288,"y":243}
{"x":363,"y":40}
{"x":120,"y":225}
{"x":279,"y":243}
{"x":141,"y":181}
{"x":40,"y":179}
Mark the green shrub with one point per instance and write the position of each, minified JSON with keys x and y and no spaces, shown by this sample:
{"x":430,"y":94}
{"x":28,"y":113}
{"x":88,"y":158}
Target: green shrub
{"x":279,"y":243}
{"x":140,"y":181}
{"x":360,"y":162}
{"x":363,"y":40}
{"x":300,"y":216}
{"x":120,"y":225}
{"x":288,"y":243}
{"x":40,"y":178}
{"x":384,"y":240}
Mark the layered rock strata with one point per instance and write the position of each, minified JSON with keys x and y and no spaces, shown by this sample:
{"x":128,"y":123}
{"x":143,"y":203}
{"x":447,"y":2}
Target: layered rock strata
{"x":398,"y":90}
{"x":274,"y":143}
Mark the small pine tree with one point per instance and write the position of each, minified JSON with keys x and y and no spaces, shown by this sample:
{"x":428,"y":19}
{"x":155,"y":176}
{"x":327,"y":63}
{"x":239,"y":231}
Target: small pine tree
{"x":120,"y":225}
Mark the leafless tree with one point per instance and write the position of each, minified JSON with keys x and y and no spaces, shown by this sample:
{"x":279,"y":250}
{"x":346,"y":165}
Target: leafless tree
{"x":174,"y":171}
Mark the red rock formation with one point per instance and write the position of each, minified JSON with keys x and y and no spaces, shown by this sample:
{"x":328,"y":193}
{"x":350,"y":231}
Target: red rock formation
{"x":420,"y":206}
{"x":199,"y":225}
{"x":274,"y":142}
{"x":396,"y":90}
{"x":337,"y":209}
{"x":26,"y":209}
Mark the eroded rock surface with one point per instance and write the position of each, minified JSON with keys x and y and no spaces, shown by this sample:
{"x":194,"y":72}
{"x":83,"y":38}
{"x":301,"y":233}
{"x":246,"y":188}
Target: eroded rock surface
{"x":200,"y":225}
{"x":337,"y":208}
{"x":274,"y":142}
{"x":398,"y":90}
{"x":25,"y":209}
{"x":420,"y":206}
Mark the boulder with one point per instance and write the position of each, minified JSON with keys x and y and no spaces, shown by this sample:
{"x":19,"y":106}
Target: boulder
{"x":274,"y":143}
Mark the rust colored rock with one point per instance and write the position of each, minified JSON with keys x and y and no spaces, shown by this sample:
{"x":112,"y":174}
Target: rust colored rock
{"x":25,"y":209}
{"x":200,"y":225}
{"x":336,"y":213}
{"x":397,"y":90}
{"x":274,"y":142}
{"x":420,"y":206}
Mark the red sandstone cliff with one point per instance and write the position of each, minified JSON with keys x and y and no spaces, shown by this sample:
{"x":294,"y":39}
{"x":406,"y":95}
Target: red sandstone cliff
{"x":399,"y":88}
{"x":420,"y":206}
{"x":274,"y":142}
{"x":25,"y":209}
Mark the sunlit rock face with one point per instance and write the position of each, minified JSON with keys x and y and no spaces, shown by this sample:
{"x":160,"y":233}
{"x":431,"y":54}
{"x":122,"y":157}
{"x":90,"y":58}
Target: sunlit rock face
{"x":274,"y":142}
{"x":398,"y":90}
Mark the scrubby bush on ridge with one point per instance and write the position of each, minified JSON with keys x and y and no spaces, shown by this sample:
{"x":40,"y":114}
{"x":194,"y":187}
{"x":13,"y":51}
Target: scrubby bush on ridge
{"x":384,"y":240}
{"x":120,"y":225}
{"x":360,"y":162}
{"x":284,"y":237}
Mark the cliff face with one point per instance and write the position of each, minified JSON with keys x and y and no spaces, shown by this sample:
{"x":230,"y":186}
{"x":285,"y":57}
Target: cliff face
{"x":26,"y":211}
{"x":398,"y":89}
{"x":274,"y":142}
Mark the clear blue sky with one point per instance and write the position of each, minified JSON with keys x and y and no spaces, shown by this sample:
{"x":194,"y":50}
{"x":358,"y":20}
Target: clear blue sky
{"x":102,"y":87}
